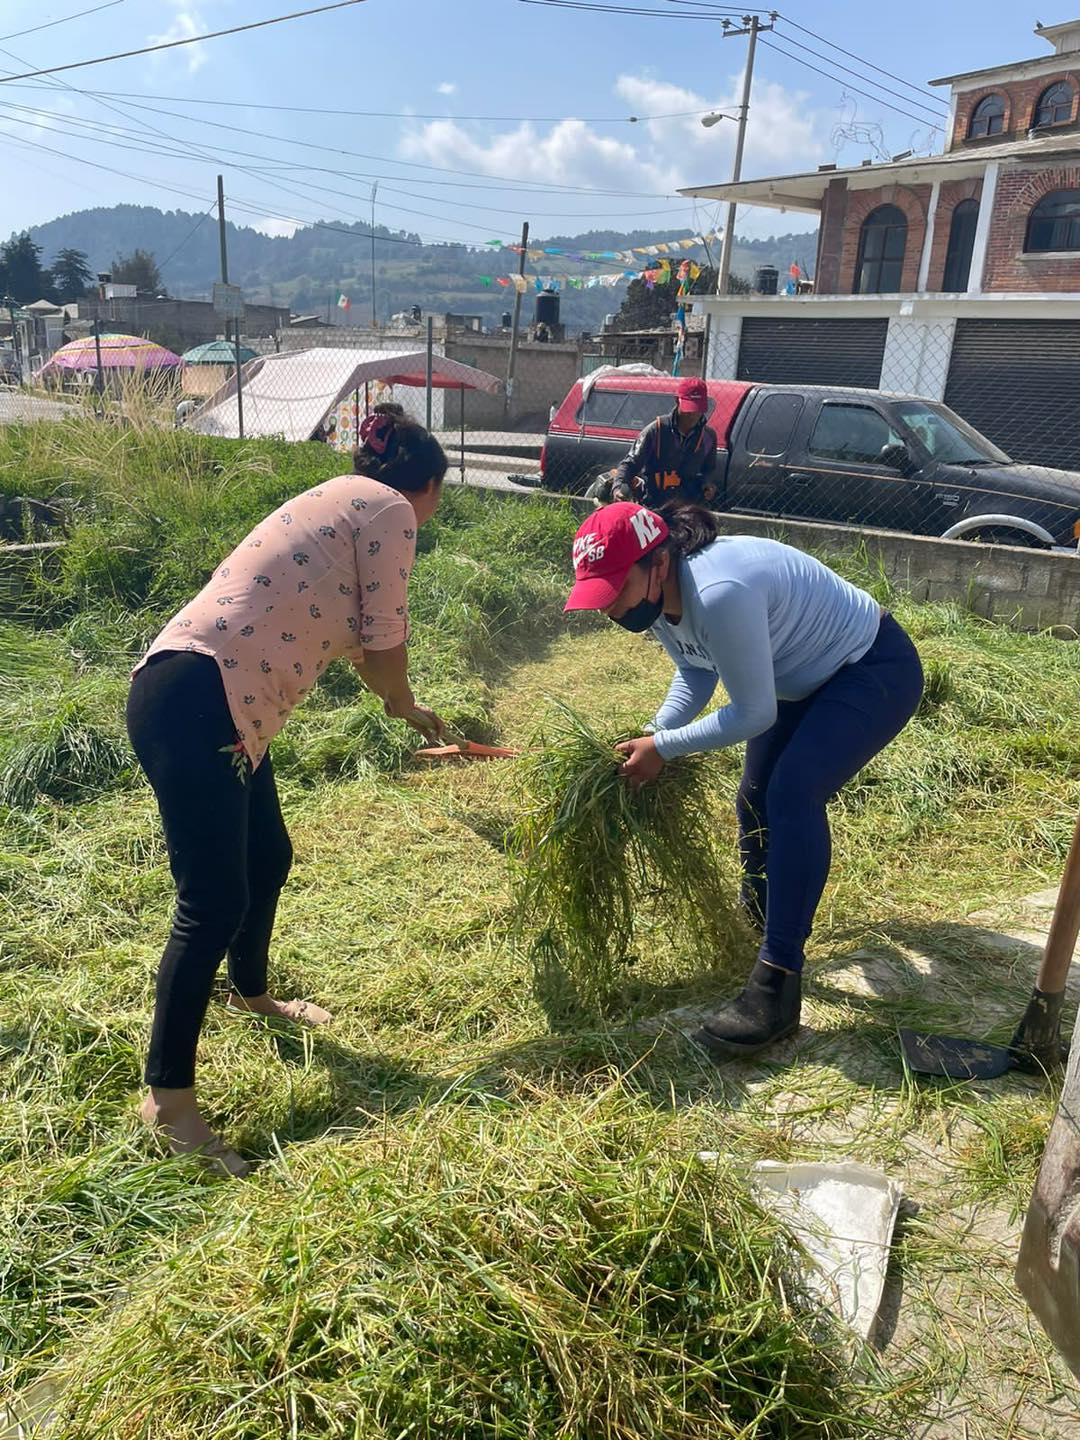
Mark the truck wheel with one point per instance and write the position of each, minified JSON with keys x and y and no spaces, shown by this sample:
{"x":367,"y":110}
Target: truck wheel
{"x":1004,"y":535}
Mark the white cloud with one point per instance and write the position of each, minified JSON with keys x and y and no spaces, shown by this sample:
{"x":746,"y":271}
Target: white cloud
{"x":447,"y":88}
{"x":654,"y":157}
{"x":186,"y":23}
{"x":570,"y":153}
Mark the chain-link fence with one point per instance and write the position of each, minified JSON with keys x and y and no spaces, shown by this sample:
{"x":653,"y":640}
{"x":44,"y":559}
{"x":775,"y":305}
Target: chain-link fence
{"x":960,"y":428}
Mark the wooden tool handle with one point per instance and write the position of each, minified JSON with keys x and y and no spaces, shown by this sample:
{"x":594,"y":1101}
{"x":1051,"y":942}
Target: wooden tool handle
{"x":1064,"y":927}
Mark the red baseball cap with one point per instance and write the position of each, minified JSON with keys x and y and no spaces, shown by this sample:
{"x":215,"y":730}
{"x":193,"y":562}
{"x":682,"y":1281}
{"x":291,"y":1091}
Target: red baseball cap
{"x":606,"y":548}
{"x":693,"y":396}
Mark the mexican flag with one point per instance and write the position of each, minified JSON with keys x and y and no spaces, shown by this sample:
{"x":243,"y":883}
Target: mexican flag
{"x":343,"y":302}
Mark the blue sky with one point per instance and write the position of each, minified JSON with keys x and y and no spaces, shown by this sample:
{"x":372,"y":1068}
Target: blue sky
{"x":503,"y":58}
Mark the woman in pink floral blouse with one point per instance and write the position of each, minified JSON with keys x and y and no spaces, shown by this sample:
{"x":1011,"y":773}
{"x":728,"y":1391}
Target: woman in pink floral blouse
{"x":325,"y":576}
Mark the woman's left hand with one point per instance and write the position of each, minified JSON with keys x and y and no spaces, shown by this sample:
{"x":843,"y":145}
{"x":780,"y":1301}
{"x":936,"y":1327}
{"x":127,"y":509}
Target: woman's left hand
{"x":643,"y":761}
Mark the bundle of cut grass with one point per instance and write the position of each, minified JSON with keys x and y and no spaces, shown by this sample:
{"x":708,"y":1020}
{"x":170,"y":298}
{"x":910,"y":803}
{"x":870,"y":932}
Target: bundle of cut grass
{"x":604,"y":869}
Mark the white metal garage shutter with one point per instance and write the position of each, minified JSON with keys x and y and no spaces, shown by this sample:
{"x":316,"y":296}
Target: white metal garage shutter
{"x":1018,"y":381}
{"x":812,"y":352}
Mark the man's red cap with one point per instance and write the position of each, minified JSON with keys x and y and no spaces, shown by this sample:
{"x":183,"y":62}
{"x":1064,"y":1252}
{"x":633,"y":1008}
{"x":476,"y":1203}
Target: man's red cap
{"x":693,"y":396}
{"x":606,"y":548}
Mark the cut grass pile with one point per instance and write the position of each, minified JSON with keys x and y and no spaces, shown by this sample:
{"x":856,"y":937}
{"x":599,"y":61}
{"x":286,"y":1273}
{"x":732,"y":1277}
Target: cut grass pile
{"x":452,"y":1197}
{"x":490,"y":1272}
{"x":606,"y":871}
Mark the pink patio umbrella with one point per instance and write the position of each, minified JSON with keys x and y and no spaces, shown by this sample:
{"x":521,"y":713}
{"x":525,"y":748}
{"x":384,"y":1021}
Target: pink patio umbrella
{"x":118,"y":352}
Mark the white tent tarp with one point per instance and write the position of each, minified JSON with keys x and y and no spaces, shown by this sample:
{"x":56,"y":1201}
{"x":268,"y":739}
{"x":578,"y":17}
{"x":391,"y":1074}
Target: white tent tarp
{"x":289,"y":394}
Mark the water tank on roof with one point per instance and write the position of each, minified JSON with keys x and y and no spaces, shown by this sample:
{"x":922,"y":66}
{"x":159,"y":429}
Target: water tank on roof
{"x":547,"y":308}
{"x":766,"y":278}
{"x":507,"y":320}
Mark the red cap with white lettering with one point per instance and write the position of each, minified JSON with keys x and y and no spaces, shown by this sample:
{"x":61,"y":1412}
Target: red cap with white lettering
{"x":607,"y":547}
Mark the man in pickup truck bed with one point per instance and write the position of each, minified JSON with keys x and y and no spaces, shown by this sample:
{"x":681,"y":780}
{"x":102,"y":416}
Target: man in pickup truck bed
{"x":674,"y":457}
{"x":818,"y":678}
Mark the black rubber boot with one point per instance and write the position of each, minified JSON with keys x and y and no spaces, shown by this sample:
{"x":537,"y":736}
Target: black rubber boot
{"x":767,"y":1010}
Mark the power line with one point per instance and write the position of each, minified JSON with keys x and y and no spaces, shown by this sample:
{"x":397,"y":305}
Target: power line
{"x":249,"y":207}
{"x":491,"y":182}
{"x":633,"y":9}
{"x":869,"y":63}
{"x":919,"y":119}
{"x":63,"y":20}
{"x":187,"y":40}
{"x":112,"y":131}
{"x":189,"y":236}
{"x":393,"y":114}
{"x":716,"y":11}
{"x":221,"y":155}
{"x":920,"y":104}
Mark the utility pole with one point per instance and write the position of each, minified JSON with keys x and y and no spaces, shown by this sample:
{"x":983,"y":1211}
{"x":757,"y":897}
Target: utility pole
{"x":374,"y":317}
{"x":753,"y":27}
{"x":225,"y":281}
{"x":511,"y":360}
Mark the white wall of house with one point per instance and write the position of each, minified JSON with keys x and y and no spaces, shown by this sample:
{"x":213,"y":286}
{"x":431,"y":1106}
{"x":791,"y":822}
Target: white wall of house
{"x":725,"y":336}
{"x":921,"y":328}
{"x":917,"y":354}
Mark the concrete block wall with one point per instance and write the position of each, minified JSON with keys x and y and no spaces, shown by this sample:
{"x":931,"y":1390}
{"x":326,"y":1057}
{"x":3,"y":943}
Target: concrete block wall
{"x":1031,"y":589}
{"x":1027,"y":589}
{"x":543,"y":373}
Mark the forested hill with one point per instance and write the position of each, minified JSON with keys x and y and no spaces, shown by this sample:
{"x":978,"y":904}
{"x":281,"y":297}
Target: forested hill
{"x":309,"y":268}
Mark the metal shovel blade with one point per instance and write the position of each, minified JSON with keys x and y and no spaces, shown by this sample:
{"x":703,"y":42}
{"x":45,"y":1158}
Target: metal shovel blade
{"x":953,"y":1057}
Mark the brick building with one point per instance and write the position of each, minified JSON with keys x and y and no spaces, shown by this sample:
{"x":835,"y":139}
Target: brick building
{"x":954,"y":275}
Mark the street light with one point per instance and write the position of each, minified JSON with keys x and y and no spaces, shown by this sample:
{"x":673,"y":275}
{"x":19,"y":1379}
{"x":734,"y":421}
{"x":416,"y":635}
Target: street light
{"x":714,"y":117}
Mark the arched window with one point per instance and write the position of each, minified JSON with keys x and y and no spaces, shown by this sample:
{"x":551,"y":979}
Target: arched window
{"x":1054,"y":224}
{"x":988,"y":117}
{"x":882,"y":243}
{"x":1055,"y":105}
{"x":961,"y":245}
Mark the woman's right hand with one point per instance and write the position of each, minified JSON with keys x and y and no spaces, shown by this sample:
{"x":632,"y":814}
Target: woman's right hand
{"x":426,"y":722}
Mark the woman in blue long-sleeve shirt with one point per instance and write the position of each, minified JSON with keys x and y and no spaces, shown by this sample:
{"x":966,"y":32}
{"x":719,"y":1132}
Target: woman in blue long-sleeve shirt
{"x":818,"y":678}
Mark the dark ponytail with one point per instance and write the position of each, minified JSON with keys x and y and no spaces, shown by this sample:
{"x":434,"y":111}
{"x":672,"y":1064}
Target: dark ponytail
{"x":398,"y":452}
{"x":692,"y":527}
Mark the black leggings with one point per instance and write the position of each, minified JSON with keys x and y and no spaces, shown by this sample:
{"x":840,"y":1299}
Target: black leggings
{"x":229,"y":851}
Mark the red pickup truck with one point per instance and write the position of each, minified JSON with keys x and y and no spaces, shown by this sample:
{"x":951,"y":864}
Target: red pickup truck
{"x":806,"y":452}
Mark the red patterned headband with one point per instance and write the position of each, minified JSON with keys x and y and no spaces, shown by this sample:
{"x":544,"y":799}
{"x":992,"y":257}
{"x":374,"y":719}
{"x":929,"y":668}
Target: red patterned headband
{"x":376,"y":432}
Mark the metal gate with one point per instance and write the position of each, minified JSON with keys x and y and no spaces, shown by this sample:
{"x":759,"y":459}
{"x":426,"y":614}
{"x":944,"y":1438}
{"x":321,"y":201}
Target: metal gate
{"x":812,"y":352}
{"x":1018,"y":381}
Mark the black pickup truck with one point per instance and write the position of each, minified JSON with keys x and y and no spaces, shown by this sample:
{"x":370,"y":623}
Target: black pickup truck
{"x":849,"y":457}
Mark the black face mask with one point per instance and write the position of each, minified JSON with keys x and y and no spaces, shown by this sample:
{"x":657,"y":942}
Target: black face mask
{"x":644,"y":615}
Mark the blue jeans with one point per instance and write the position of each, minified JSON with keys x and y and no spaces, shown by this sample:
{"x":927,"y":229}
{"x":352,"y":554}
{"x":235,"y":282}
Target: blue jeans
{"x":792,"y":770}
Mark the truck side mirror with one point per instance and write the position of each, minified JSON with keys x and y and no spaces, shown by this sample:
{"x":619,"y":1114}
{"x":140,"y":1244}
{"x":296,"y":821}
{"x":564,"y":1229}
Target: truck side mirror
{"x":896,"y":456}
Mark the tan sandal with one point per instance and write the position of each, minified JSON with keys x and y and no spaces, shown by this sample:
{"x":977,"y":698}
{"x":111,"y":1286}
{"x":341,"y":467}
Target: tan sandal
{"x":214,"y":1153}
{"x":299,"y":1012}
